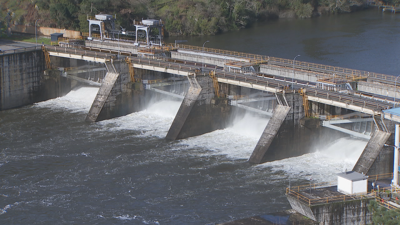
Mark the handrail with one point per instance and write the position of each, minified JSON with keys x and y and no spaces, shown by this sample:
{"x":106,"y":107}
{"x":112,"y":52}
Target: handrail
{"x":341,"y":197}
{"x":295,"y":191}
{"x":332,"y":71}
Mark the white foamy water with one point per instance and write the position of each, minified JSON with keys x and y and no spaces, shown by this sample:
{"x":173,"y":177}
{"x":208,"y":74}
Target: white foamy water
{"x":77,"y":100}
{"x":154,"y":121}
{"x":236,"y":142}
{"x":325,"y":163}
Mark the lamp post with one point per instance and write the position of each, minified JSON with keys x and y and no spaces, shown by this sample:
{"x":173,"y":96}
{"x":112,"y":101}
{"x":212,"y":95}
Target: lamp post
{"x":395,"y":91}
{"x":202,"y":65}
{"x":293,"y":69}
{"x":35,"y":30}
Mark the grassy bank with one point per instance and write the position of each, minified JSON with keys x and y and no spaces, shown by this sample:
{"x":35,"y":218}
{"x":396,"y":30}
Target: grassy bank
{"x":26,"y":38}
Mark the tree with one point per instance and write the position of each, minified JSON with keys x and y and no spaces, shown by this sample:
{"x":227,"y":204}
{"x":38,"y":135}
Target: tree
{"x":382,"y":215}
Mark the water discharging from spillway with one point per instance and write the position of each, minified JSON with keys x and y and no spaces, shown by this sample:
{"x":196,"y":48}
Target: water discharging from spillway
{"x":122,"y":169}
{"x":77,"y":100}
{"x":235,"y":142}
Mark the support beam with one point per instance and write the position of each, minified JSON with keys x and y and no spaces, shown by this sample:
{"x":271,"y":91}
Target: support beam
{"x":89,"y":82}
{"x":166,"y":93}
{"x":269,"y":133}
{"x":251,"y":109}
{"x":347,"y":131}
{"x":333,"y":121}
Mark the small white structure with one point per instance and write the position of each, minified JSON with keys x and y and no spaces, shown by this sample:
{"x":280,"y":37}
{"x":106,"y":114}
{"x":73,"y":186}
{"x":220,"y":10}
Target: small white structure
{"x":352,"y":182}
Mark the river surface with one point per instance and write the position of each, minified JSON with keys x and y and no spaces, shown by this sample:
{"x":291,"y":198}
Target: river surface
{"x":57,"y":169}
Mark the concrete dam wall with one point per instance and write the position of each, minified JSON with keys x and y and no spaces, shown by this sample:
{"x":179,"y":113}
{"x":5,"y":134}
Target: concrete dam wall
{"x":23,"y":79}
{"x":125,"y":88}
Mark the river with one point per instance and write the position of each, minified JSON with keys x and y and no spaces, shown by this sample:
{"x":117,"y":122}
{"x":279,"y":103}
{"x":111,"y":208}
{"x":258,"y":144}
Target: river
{"x":57,"y":169}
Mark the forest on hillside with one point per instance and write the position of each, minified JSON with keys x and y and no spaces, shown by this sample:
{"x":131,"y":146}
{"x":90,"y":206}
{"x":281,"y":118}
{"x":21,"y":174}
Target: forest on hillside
{"x":181,"y":17}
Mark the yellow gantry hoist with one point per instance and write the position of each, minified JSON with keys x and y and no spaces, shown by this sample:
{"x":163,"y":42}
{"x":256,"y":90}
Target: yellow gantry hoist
{"x":131,"y":69}
{"x":46,"y":57}
{"x":305,"y":102}
{"x":215,"y":83}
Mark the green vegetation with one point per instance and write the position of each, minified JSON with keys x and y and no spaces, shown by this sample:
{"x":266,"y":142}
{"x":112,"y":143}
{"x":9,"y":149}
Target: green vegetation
{"x":181,"y":17}
{"x":25,"y":38}
{"x":383,"y":216}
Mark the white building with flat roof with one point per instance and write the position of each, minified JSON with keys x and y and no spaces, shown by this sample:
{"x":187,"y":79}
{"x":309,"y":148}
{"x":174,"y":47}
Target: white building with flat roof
{"x":351,"y":182}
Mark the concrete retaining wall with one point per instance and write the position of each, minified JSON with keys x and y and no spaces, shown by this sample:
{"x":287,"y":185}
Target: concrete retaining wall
{"x":346,"y":212}
{"x":23,"y":80}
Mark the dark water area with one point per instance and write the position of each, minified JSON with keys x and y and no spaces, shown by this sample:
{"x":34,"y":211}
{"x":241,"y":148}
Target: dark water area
{"x":365,"y":40}
{"x":57,"y":169}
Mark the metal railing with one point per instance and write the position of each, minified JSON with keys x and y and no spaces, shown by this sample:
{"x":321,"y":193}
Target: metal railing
{"x":355,"y":100}
{"x":224,"y":52}
{"x":296,"y":192}
{"x":359,"y":101}
{"x":331,"y":71}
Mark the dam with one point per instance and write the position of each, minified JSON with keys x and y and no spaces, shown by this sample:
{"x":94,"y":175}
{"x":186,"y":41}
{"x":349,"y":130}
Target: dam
{"x":214,"y":84}
{"x":122,"y":170}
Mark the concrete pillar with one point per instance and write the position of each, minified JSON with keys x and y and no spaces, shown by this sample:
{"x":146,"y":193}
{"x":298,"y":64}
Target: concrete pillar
{"x":102,"y":96}
{"x":199,"y":112}
{"x":269,"y":133}
{"x":116,"y":96}
{"x":371,"y":152}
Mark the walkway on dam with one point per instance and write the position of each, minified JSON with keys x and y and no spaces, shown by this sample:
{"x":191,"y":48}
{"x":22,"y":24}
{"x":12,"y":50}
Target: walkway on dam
{"x":263,"y":82}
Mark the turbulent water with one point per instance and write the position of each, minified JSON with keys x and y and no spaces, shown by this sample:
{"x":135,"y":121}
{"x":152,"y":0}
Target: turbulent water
{"x":57,"y":169}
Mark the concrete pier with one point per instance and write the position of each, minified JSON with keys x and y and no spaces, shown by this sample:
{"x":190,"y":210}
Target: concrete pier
{"x":199,"y":112}
{"x":102,"y":96}
{"x":269,"y":133}
{"x":371,"y":151}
